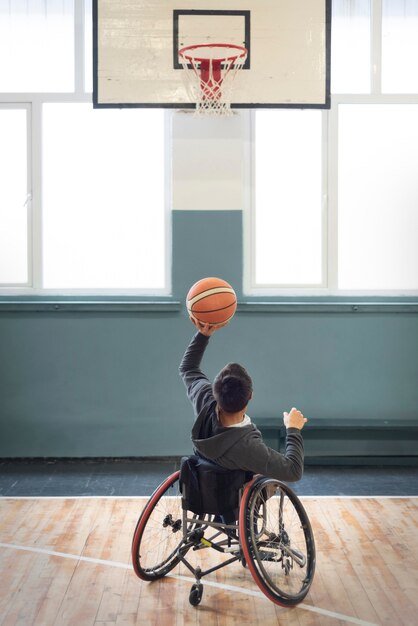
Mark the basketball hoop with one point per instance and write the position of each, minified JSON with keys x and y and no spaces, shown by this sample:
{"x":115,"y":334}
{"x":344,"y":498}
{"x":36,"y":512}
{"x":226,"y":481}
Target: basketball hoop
{"x":211,"y":69}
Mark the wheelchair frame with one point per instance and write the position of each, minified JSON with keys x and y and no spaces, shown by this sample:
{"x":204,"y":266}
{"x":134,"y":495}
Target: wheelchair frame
{"x":272,"y":554}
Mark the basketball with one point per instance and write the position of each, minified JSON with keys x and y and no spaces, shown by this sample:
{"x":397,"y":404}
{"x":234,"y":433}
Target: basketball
{"x":211,"y":300}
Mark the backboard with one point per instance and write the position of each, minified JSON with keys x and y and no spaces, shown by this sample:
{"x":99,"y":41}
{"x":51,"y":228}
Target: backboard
{"x":136,"y":47}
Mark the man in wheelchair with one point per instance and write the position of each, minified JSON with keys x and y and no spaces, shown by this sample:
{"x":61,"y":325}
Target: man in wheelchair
{"x":229,"y":495}
{"x":223,"y":432}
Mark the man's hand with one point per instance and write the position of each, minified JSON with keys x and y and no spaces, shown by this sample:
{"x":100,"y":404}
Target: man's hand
{"x":205,"y":328}
{"x":294,"y":419}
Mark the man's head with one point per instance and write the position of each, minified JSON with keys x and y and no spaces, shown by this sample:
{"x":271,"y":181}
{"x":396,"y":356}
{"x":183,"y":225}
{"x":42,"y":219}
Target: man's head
{"x":232,"y":388}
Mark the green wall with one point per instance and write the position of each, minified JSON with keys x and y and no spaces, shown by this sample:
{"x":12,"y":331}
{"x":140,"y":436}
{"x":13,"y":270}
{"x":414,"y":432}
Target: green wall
{"x":77,"y":382}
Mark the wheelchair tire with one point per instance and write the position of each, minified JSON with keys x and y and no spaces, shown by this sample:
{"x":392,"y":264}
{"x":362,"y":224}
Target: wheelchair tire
{"x":158,"y":533}
{"x":277,"y":541}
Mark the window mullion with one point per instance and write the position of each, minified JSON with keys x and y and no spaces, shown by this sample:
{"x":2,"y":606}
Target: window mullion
{"x":250,"y":252}
{"x":79,"y":46}
{"x":325,"y":198}
{"x":332,"y":213}
{"x":29,"y":197}
{"x":252,"y":222}
{"x":36,"y":203}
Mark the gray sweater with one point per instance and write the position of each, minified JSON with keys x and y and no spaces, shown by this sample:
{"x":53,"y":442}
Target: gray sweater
{"x":233,"y":448}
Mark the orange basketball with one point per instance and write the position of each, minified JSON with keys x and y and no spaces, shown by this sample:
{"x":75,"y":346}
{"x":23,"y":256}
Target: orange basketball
{"x":211,"y":300}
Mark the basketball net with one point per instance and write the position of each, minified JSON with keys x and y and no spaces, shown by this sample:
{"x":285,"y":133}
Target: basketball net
{"x":210,"y":71}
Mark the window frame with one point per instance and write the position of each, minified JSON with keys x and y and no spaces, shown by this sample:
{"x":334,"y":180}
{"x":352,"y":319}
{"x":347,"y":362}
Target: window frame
{"x":329,"y":287}
{"x":33,"y":102}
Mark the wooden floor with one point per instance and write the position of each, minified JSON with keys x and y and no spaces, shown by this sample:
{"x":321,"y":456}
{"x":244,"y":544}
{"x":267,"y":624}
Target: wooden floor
{"x":367,"y":569}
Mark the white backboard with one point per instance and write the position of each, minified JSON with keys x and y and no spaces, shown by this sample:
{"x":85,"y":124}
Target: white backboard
{"x":136,"y":45}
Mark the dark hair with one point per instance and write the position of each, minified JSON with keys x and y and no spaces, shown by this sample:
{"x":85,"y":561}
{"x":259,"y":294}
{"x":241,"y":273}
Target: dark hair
{"x":232,"y":388}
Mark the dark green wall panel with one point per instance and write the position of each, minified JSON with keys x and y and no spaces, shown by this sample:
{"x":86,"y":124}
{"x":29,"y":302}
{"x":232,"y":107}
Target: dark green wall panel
{"x":206,"y":243}
{"x":106,"y":383}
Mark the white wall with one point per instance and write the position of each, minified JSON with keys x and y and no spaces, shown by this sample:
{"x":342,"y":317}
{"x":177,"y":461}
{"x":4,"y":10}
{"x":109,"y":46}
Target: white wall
{"x":210,"y":161}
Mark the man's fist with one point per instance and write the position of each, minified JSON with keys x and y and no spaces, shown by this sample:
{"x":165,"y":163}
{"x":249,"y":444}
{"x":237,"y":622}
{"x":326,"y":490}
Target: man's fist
{"x":294,"y":419}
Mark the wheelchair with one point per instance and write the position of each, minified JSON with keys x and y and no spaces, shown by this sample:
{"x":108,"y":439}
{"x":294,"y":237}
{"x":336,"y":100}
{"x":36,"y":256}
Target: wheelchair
{"x":254,"y":520}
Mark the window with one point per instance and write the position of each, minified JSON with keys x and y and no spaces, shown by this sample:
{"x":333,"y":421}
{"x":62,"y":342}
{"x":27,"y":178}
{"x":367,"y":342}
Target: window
{"x":378,"y":196}
{"x":108,"y":205}
{"x":14,"y":190}
{"x":350,"y":63}
{"x":288,"y":223}
{"x":37,"y":39}
{"x":92,"y":216}
{"x":342,"y":218}
{"x":400,"y":46}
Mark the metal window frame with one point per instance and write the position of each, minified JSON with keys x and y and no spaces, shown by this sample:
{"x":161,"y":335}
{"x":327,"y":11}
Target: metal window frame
{"x":330,"y":188}
{"x":34,"y":102}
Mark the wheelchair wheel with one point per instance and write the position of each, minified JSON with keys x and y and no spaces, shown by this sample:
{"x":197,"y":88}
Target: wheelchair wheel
{"x":277,"y":541}
{"x":158,"y":534}
{"x":196,"y":593}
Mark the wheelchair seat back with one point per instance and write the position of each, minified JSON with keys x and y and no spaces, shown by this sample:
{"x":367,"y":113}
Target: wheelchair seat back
{"x":209,"y":488}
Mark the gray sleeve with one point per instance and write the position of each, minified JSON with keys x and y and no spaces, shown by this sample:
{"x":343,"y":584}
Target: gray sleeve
{"x":260,"y":459}
{"x":198,"y":386}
